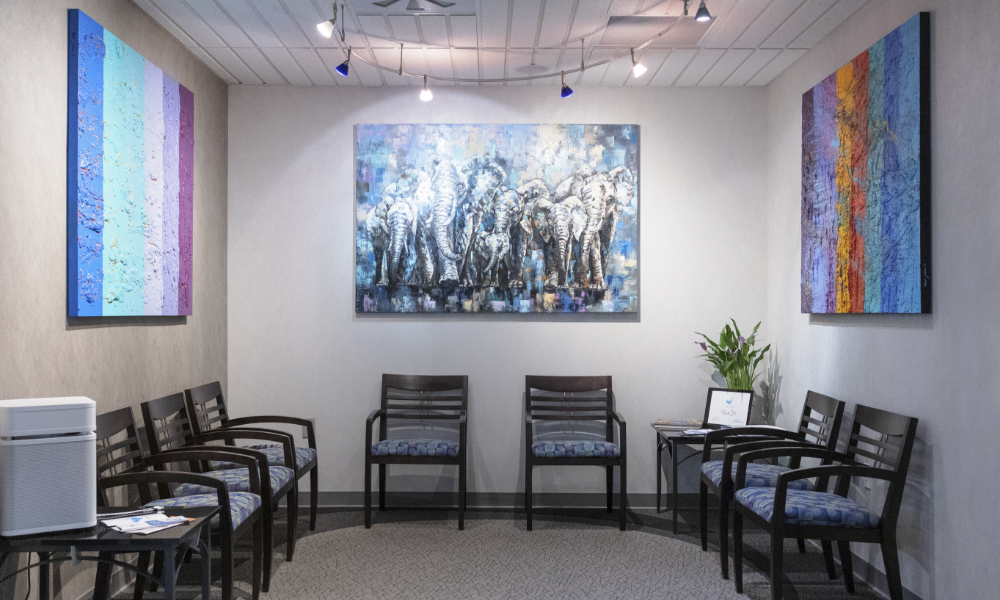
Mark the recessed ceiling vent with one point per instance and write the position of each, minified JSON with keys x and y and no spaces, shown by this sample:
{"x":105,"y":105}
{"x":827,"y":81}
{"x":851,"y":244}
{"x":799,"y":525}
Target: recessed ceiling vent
{"x":633,"y":31}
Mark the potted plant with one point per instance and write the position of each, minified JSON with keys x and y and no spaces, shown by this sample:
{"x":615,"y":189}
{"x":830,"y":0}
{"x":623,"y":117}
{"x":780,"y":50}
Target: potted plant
{"x":734,"y":356}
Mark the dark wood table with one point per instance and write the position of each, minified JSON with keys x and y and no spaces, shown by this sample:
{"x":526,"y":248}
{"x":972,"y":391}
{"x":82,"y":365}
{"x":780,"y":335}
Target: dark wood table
{"x":173,"y":542}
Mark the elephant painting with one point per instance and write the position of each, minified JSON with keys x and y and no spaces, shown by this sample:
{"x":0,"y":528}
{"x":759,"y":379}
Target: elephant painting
{"x":500,"y":218}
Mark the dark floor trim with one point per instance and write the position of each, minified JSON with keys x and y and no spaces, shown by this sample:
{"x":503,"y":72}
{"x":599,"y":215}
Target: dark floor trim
{"x":491,"y":500}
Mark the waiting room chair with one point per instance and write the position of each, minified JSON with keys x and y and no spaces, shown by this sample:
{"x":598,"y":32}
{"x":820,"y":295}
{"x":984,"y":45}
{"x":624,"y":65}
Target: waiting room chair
{"x":417,"y":400}
{"x":573,"y":400}
{"x":819,"y":425}
{"x":879,"y":448}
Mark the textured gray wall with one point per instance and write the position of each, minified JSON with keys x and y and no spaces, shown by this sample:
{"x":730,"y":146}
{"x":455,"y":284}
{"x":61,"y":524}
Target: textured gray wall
{"x":941,"y":368}
{"x":117,"y":362}
{"x":297,"y":347}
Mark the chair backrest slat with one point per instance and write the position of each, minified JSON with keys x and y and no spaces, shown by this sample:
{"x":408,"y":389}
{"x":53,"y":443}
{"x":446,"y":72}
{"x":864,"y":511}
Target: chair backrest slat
{"x":550,"y":398}
{"x":167,"y":423}
{"x":208,"y":406}
{"x":895,"y":435}
{"x":826,"y":414}
{"x":424,"y":396}
{"x":109,"y":426}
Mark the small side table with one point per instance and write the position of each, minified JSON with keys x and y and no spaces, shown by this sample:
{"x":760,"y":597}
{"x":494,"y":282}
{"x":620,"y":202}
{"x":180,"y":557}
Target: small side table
{"x":670,"y":440}
{"x":172,"y":542}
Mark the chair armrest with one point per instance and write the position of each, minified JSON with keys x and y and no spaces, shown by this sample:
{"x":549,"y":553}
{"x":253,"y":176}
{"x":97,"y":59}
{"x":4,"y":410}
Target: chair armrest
{"x":753,"y":433}
{"x":375,"y":414}
{"x":241,"y":456}
{"x":286,"y":440}
{"x":310,"y":432}
{"x":162,"y":478}
{"x":845,"y":472}
{"x":463,"y":418}
{"x":790,"y":451}
{"x":733,"y":450}
{"x":617,"y":416}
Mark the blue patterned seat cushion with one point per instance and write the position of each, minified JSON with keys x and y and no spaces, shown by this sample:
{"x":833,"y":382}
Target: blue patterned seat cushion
{"x":237,"y":480}
{"x":809,"y":508}
{"x":275,"y":456}
{"x":241,"y":504}
{"x":415,"y":448}
{"x":574,"y":448}
{"x":758,"y":475}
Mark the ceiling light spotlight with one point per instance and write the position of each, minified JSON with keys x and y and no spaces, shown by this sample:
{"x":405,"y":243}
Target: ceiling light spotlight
{"x":425,"y":94}
{"x":702,"y":14}
{"x":637,"y":68}
{"x":326,"y":28}
{"x":566,"y":90}
{"x":344,"y":67}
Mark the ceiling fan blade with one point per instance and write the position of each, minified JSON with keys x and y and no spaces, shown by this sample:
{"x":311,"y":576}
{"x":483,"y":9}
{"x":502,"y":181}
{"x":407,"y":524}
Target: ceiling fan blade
{"x":414,"y":5}
{"x":385,"y":3}
{"x":442,"y":4}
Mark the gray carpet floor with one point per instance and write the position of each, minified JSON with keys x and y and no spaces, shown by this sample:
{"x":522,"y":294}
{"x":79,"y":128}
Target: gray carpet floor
{"x":421,"y":555}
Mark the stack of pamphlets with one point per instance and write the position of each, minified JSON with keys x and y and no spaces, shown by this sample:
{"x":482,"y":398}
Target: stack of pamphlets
{"x":676,"y":424}
{"x":145,"y":524}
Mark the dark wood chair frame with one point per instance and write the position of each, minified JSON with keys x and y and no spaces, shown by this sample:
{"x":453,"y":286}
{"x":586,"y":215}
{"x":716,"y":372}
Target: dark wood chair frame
{"x":549,"y":406}
{"x":205,"y":414}
{"x":890,"y":462}
{"x":168,"y":429}
{"x":224,"y":536}
{"x":830,"y":413}
{"x":427,"y":403}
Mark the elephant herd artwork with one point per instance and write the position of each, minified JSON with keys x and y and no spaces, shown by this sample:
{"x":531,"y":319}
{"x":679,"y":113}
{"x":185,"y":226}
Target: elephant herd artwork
{"x":496,"y":218}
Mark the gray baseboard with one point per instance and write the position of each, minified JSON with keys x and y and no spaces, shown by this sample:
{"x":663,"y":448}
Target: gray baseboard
{"x":490,"y":500}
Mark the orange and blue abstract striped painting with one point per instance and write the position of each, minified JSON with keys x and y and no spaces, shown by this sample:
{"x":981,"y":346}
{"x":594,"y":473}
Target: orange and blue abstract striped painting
{"x":866,"y":181}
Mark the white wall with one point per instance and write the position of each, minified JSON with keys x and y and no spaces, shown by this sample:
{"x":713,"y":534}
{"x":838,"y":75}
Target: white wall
{"x":297,"y":347}
{"x":941,"y":368}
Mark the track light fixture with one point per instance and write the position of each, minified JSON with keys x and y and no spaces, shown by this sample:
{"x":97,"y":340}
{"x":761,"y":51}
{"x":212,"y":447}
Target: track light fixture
{"x":637,"y":68}
{"x":344,"y":67}
{"x":566,"y":90}
{"x":425,"y":94}
{"x":326,"y":28}
{"x":702,"y":14}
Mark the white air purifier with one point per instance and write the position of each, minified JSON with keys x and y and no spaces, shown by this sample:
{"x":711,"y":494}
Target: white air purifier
{"x":48,"y":465}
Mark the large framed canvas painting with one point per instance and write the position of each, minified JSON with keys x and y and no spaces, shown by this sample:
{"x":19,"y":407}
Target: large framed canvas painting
{"x":866,"y":180}
{"x":130,"y":180}
{"x":497,"y":218}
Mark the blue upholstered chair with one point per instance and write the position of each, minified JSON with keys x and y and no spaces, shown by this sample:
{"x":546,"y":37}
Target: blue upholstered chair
{"x":576,"y":401}
{"x":879,"y":448}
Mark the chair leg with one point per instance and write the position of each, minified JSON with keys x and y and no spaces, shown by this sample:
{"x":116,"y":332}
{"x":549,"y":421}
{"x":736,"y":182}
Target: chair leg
{"x":777,"y":565}
{"x":724,"y":535}
{"x":102,"y":581}
{"x":848,"y":566}
{"x":702,"y":515}
{"x":802,"y":545}
{"x":226,"y":566}
{"x":383,"y":471}
{"x":267,"y":545}
{"x":738,"y":550}
{"x":368,"y":493}
{"x":461,"y":496}
{"x":831,"y":568}
{"x":610,"y":480}
{"x":258,"y":557}
{"x":313,"y":496}
{"x":622,"y":498}
{"x":140,"y":579}
{"x":292,"y":507}
{"x":527,"y":494}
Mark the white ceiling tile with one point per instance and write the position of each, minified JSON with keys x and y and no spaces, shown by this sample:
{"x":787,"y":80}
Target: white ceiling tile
{"x":413,"y":61}
{"x":516,"y":59}
{"x":524,"y":23}
{"x":287,"y":30}
{"x":228,"y":30}
{"x":726,"y":28}
{"x":192,"y":24}
{"x":625,"y":7}
{"x":232,"y":63}
{"x":673,"y":66}
{"x":247,"y":18}
{"x":798,"y":22}
{"x":652,"y":59}
{"x":466,"y":63}
{"x":620,"y":71}
{"x":729,"y":62}
{"x":555,"y":23}
{"x":699,"y":66}
{"x":463,"y":32}
{"x":827,"y":23}
{"x":594,"y":75}
{"x":355,"y":35}
{"x":305,"y":14}
{"x":492,"y":64}
{"x":367,"y":74}
{"x":776,"y":66}
{"x":439,"y":64}
{"x":661,"y":8}
{"x":312,"y":65}
{"x":389,"y":57}
{"x":766,"y":23}
{"x":435,"y":30}
{"x":751,"y":66}
{"x":493,"y":20}
{"x":286,"y":65}
{"x":404,"y":29}
{"x":376,"y":31}
{"x":213,"y":64}
{"x":591,"y":18}
{"x":260,"y":65}
{"x":167,"y":23}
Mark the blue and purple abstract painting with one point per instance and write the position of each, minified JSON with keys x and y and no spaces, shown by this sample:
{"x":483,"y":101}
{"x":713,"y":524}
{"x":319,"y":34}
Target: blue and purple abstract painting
{"x":866,"y":180}
{"x":130,"y":180}
{"x":497,"y":218}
